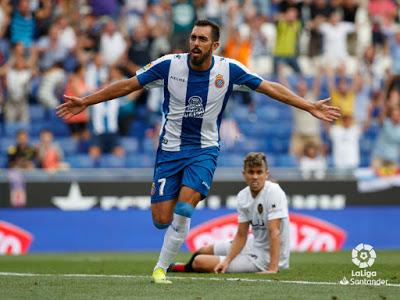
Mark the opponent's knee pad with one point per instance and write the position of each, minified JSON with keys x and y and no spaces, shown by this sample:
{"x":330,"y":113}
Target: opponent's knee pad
{"x":184,"y":209}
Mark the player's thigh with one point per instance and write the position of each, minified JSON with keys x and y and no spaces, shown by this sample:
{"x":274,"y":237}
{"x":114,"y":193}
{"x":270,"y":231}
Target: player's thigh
{"x":199,"y":174}
{"x":167,"y":181}
{"x":205,"y":263}
{"x":242,"y":263}
{"x":221,"y":248}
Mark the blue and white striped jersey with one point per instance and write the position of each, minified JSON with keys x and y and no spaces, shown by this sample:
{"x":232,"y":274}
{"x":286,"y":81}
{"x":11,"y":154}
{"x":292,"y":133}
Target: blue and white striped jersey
{"x":194,"y":101}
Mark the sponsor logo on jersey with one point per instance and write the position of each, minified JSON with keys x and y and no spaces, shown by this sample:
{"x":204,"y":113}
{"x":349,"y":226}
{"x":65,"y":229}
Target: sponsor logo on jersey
{"x":219,"y":81}
{"x":306,"y":233}
{"x":177,"y":78}
{"x":14,"y":240}
{"x":195,"y":108}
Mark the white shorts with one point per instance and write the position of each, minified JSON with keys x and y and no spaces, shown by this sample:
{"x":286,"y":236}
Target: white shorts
{"x":245,"y":262}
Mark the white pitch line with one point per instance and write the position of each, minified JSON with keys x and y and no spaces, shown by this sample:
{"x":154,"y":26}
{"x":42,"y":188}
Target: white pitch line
{"x":304,"y":282}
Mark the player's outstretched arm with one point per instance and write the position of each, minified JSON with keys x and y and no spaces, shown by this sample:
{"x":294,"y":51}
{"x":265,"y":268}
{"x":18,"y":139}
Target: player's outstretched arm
{"x":237,"y":245}
{"x":75,"y":105}
{"x":320,"y":109}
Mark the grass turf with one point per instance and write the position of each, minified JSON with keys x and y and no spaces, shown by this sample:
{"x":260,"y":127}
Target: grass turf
{"x":309,"y":267}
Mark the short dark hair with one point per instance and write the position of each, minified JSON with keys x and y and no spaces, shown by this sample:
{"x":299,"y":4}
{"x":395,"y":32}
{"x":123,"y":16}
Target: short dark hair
{"x":255,"y":159}
{"x":215,"y":31}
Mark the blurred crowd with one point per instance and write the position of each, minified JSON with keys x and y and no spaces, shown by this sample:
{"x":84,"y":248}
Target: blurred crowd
{"x":346,"y":49}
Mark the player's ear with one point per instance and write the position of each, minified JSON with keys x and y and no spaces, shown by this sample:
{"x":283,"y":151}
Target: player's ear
{"x":215,"y":45}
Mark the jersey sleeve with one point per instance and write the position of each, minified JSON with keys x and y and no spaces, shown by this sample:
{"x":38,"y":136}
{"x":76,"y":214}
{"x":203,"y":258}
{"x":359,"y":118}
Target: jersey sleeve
{"x":154,"y":74}
{"x":277,"y":207}
{"x":242,"y":209}
{"x":241,"y":77}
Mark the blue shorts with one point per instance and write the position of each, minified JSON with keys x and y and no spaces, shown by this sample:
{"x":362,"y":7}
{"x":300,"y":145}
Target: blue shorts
{"x":192,"y":168}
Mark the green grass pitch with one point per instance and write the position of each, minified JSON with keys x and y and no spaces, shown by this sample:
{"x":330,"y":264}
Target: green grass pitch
{"x":127,"y":276}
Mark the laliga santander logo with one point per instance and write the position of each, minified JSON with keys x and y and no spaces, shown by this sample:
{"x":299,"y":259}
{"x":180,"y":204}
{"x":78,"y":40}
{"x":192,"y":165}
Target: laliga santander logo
{"x":363,"y":256}
{"x":13,"y":240}
{"x":306,"y":233}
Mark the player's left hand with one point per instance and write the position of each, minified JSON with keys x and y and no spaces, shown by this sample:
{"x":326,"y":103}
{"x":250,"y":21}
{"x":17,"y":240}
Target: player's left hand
{"x":323,"y":111}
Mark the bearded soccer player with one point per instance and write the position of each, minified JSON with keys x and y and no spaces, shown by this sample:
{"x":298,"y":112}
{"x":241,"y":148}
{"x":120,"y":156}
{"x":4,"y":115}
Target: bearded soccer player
{"x":263,"y":205}
{"x":197,"y":86}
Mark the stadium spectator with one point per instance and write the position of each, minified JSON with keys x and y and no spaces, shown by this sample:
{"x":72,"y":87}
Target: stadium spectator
{"x":51,"y":86}
{"x":386,"y":152}
{"x":288,"y":31}
{"x":189,"y":141}
{"x":49,"y":154}
{"x":334,"y":44}
{"x":342,"y":93}
{"x":312,"y":164}
{"x":139,"y":51}
{"x":345,"y":139}
{"x":104,"y":121}
{"x":183,"y":17}
{"x":77,"y":86}
{"x":50,"y":49}
{"x":23,"y":24}
{"x":112,"y":43}
{"x":238,"y":47}
{"x":66,"y":37}
{"x":105,"y":7}
{"x":263,"y":205}
{"x":22,"y":155}
{"x":306,"y":129}
{"x":97,"y":72}
{"x":18,"y":78}
{"x":319,"y":10}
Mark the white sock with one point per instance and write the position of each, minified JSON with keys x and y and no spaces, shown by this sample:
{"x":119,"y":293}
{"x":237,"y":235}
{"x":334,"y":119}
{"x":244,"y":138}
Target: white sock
{"x":173,"y":240}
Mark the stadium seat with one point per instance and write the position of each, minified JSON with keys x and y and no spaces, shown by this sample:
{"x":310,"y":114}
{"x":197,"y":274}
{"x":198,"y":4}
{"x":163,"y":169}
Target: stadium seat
{"x":111,"y":161}
{"x":230,"y":160}
{"x":11,"y":129}
{"x":68,"y":145}
{"x":4,"y":144}
{"x":287,"y":161}
{"x":59,"y":128}
{"x":3,"y":161}
{"x":81,"y":161}
{"x":279,"y":146}
{"x":37,"y":113}
{"x":130,"y":144}
{"x":140,"y":161}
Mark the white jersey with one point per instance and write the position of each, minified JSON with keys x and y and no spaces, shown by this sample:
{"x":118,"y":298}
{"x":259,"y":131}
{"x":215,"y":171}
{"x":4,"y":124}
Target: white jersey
{"x":194,"y":101}
{"x":269,"y":204}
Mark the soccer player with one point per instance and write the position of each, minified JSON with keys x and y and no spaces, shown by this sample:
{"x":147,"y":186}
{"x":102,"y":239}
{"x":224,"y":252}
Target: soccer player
{"x":263,"y":205}
{"x":196,"y":86}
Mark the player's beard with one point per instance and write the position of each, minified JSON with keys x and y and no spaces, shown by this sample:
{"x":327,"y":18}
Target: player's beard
{"x":201,"y":59}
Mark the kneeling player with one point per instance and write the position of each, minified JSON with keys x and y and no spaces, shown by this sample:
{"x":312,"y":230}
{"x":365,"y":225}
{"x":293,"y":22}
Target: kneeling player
{"x":263,"y":205}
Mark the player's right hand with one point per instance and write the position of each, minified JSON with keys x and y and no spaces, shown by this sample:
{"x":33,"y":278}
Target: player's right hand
{"x":221,"y":267}
{"x":72,"y":106}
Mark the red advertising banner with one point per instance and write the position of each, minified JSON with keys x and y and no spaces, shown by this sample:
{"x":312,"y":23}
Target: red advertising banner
{"x":306,"y":233}
{"x":14,"y":240}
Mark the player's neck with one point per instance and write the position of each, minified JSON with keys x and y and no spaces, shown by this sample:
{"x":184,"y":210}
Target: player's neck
{"x":206,"y":65}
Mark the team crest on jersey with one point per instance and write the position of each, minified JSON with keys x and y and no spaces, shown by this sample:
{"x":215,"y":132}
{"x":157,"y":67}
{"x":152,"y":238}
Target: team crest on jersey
{"x":260,"y":208}
{"x":195,"y":108}
{"x":219,"y":81}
